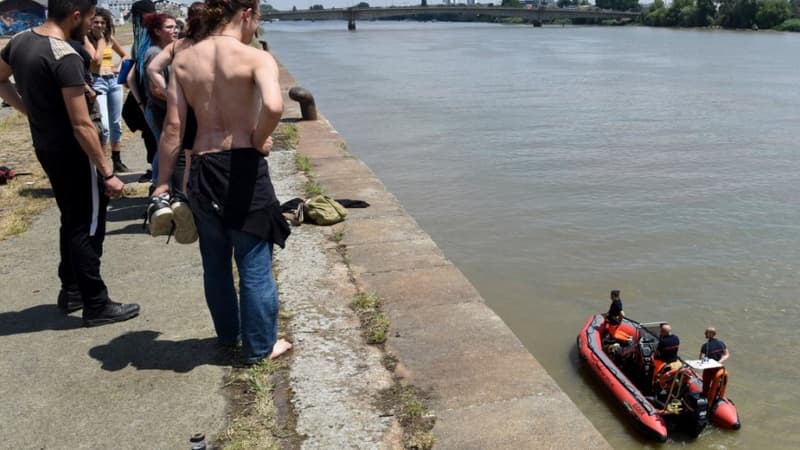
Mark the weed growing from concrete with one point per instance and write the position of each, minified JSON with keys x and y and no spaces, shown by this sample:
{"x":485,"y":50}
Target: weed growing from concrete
{"x":313,"y":188}
{"x":252,"y":391}
{"x":377,"y":327}
{"x":389,"y":362}
{"x":373,"y":321}
{"x":364,"y":302}
{"x":417,"y":421}
{"x":301,"y":163}
{"x":338,"y":234}
{"x":286,"y":136}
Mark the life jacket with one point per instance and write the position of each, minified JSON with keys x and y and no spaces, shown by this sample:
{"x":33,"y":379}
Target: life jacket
{"x":664,"y":373}
{"x":715,"y":383}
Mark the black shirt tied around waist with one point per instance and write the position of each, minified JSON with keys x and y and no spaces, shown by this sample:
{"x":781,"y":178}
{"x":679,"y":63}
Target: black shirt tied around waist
{"x":235,"y":185}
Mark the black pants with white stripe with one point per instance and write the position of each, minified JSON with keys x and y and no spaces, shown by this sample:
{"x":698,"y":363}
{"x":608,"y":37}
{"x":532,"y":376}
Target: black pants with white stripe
{"x":81,"y":199}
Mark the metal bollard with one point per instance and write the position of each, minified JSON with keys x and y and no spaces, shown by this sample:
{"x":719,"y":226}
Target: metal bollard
{"x":307,"y":106}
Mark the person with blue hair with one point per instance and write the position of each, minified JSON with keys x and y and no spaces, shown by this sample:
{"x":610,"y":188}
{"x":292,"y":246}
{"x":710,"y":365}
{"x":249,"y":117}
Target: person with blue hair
{"x":141,"y":42}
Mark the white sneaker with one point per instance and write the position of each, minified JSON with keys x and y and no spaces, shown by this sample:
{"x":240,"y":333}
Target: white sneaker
{"x":185,"y":229}
{"x":159,"y":215}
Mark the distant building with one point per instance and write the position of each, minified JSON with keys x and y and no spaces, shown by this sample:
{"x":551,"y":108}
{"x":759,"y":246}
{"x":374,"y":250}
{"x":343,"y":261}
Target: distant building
{"x":121,"y":8}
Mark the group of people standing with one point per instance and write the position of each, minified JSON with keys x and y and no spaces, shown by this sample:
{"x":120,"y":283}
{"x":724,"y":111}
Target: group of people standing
{"x":224,"y":93}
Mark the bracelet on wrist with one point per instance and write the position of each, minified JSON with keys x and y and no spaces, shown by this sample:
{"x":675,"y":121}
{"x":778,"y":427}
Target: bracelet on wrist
{"x":109,"y":177}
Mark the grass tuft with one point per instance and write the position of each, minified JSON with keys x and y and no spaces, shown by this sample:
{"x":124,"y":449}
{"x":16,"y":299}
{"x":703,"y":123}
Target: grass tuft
{"x":377,"y":327}
{"x":365,"y":302}
{"x":417,"y":420}
{"x":24,"y":197}
{"x":313,"y":188}
{"x":253,"y":425}
{"x":286,"y":136}
{"x":374,"y":323}
{"x":302,"y":163}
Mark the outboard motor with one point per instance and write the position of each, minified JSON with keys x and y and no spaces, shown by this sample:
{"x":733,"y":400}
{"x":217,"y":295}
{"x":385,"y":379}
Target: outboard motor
{"x":646,"y":357}
{"x":697,"y":412}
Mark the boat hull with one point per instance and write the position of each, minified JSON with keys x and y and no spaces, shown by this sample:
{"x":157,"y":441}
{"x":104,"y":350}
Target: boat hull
{"x":590,"y":347}
{"x":648,"y":416}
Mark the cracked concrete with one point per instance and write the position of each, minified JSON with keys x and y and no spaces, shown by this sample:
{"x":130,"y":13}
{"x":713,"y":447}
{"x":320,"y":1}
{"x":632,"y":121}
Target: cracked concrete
{"x":335,"y":377}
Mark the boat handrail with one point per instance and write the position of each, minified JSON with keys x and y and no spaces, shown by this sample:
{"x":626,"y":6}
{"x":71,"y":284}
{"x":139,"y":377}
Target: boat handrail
{"x":651,"y":324}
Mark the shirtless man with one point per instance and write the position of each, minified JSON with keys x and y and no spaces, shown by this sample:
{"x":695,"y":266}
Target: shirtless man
{"x":234,"y":91}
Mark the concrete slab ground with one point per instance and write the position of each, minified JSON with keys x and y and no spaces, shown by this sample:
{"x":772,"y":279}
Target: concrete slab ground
{"x":149,"y":382}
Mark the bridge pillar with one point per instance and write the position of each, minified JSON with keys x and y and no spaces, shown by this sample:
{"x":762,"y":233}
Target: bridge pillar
{"x":351,"y":25}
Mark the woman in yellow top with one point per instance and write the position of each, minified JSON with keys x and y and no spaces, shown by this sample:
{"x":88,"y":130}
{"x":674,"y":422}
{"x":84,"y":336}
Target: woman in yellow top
{"x":101,"y":45}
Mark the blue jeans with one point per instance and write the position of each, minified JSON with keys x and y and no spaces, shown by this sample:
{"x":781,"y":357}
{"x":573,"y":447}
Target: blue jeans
{"x":253,"y":316}
{"x":109,"y":98}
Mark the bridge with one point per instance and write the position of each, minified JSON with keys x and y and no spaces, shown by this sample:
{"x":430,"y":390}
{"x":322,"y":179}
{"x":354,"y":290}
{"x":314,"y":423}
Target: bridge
{"x":535,"y":16}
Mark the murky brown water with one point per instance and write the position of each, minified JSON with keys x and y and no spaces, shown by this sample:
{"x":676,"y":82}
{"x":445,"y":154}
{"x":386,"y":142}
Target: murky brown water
{"x":552,"y":165}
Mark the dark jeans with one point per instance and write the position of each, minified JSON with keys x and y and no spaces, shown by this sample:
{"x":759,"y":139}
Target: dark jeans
{"x":81,"y":199}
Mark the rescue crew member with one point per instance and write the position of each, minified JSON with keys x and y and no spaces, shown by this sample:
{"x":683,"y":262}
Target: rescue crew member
{"x":714,"y":348}
{"x":667,"y":350}
{"x":614,"y":318}
{"x":714,"y":380}
{"x":666,"y":364}
{"x":615,"y":312}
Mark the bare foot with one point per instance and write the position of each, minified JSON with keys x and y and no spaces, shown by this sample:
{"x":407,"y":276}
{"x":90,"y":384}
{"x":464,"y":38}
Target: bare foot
{"x":280,"y":347}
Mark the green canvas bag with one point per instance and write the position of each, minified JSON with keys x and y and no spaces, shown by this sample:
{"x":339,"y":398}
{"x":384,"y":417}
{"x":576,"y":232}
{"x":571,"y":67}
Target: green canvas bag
{"x":323,"y":210}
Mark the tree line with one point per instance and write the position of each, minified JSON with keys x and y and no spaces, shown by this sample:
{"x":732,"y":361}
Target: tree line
{"x":783,"y":15}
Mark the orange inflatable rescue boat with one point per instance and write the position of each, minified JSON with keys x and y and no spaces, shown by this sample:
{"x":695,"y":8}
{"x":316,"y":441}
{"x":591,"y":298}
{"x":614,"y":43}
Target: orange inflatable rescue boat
{"x":660,"y":397}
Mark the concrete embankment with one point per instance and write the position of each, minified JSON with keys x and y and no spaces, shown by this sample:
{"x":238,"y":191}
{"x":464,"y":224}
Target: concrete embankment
{"x":153,"y":381}
{"x":485,"y":389}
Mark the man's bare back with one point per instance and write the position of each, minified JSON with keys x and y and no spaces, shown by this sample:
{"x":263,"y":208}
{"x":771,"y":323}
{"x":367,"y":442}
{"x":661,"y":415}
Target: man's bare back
{"x":234,"y":91}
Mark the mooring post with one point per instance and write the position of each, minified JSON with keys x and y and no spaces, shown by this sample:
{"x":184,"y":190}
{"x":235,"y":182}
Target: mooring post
{"x":307,"y":105}
{"x":351,"y":19}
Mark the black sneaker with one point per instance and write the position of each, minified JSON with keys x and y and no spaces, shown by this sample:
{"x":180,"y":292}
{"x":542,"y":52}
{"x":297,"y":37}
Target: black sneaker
{"x":185,"y":230}
{"x":69,"y":301}
{"x":120,"y":166}
{"x":160,"y":215}
{"x":112,"y":312}
{"x":147,"y":177}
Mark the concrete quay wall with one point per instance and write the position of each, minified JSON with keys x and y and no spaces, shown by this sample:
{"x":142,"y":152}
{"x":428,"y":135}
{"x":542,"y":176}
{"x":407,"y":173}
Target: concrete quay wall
{"x":486,"y":389}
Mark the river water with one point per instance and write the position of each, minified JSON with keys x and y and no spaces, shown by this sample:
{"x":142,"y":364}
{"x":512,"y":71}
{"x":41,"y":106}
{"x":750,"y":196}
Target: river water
{"x":555,"y":164}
